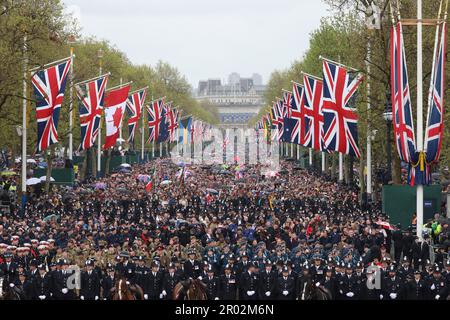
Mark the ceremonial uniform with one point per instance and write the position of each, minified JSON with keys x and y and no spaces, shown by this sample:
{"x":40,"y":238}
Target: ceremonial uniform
{"x":90,"y":285}
{"x":212,"y":286}
{"x":170,"y":280}
{"x":285,"y":287}
{"x":267,"y":285}
{"x":249,"y":286}
{"x":227,"y":287}
{"x":153,"y":285}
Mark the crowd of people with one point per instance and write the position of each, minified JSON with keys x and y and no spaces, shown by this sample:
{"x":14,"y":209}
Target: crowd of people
{"x":246,"y":236}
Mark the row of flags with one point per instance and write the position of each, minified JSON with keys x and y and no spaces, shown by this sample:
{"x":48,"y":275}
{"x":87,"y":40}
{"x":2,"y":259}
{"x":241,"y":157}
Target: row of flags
{"x":319,"y":113}
{"x":95,"y":100}
{"x":419,"y":162}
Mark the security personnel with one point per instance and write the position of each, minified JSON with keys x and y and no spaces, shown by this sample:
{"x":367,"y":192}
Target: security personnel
{"x":249,"y":284}
{"x":285,"y":285}
{"x":140,"y":272}
{"x":317,"y":270}
{"x":108,"y":282}
{"x":192,"y":266}
{"x":329,"y":281}
{"x":153,"y":283}
{"x":392,"y":285}
{"x":212,"y":284}
{"x":125,"y":268}
{"x":438,"y":286}
{"x":361,"y":281}
{"x":170,"y":280}
{"x":244,"y":264}
{"x":90,"y":283}
{"x":348,"y":287}
{"x":304,"y":283}
{"x":41,"y":284}
{"x":416,"y":288}
{"x":267,"y":282}
{"x":227,"y":285}
{"x":61,"y":285}
{"x":9,"y":270}
{"x":406,"y":272}
{"x":25,"y":286}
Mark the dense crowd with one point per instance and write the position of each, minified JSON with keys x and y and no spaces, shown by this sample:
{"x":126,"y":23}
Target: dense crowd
{"x":245,"y":233}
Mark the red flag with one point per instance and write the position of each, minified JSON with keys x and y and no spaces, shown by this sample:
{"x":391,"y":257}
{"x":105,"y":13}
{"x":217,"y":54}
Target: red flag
{"x":115,"y":104}
{"x":149,"y":186}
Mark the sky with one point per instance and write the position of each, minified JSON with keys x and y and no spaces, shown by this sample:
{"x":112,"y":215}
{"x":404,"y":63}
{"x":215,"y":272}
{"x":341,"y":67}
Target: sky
{"x":204,"y":38}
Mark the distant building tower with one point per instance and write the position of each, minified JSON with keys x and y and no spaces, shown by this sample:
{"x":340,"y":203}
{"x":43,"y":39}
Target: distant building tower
{"x":203,"y":88}
{"x":257,"y":79}
{"x":234,"y":78}
{"x":213,"y":85}
{"x":246,"y":84}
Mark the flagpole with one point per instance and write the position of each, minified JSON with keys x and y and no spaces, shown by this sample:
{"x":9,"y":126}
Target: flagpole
{"x":99,"y":137}
{"x":143,"y":134}
{"x":120,"y":129}
{"x":369,"y":133}
{"x":310,"y":157}
{"x":419,"y":197}
{"x":71,"y":106}
{"x":24,"y":122}
{"x":323,"y":162}
{"x":341,"y":167}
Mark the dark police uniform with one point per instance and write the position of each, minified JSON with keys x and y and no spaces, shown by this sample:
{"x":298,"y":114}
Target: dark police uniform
{"x":249,"y":286}
{"x":90,"y":285}
{"x":227,"y":287}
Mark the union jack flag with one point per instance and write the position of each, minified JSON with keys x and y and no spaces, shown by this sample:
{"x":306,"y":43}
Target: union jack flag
{"x":313,"y":114}
{"x":172,"y":118}
{"x":288,"y":123}
{"x":280,"y":114}
{"x":340,"y":122}
{"x":154,"y":110}
{"x":435,"y":120}
{"x":274,"y":117}
{"x":90,"y":108}
{"x":49,"y":86}
{"x":401,"y":100}
{"x":297,"y":114}
{"x":420,"y":169}
{"x":135,"y":103}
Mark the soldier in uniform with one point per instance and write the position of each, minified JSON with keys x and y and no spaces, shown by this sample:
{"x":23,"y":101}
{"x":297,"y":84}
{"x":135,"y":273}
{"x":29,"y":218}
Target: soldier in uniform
{"x":286,"y":285}
{"x":268,"y":282}
{"x":416,"y":288}
{"x":153,"y":283}
{"x":228,"y":286}
{"x":90,"y":283}
{"x":248,"y":284}
{"x":392,"y":285}
{"x":170,"y":280}
{"x":192,"y":266}
{"x":41,"y":284}
{"x":438,"y":287}
{"x":212,"y":284}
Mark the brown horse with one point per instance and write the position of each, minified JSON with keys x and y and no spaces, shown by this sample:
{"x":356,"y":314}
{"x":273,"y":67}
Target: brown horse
{"x":190,"y":289}
{"x":125,"y":291}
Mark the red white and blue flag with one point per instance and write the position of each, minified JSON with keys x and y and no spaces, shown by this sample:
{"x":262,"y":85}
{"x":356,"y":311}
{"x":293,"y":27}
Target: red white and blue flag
{"x":135,"y":104}
{"x":172,"y":118}
{"x":90,"y":108}
{"x":274,"y":121}
{"x":400,"y":97}
{"x":340,"y":119}
{"x":155,"y":110}
{"x":313,"y":123}
{"x":49,"y":86}
{"x":115,"y":104}
{"x":297,"y":114}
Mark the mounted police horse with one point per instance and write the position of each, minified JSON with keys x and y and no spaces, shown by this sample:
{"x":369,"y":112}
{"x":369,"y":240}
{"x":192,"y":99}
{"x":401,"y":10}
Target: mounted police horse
{"x":125,"y":291}
{"x":190,"y":289}
{"x":9,"y":293}
{"x":313,"y":292}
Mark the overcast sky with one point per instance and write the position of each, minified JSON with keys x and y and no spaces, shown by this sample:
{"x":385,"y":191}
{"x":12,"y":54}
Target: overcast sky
{"x":204,"y":38}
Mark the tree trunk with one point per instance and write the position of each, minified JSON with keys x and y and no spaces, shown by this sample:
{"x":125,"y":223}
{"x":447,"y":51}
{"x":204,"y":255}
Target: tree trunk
{"x":362,"y":185}
{"x":396,"y":170}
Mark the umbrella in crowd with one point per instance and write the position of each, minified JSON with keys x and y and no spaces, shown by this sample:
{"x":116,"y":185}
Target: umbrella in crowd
{"x":44,"y":178}
{"x":212,"y":191}
{"x":31,"y":161}
{"x":33,"y":181}
{"x":100,"y":186}
{"x":125,"y":165}
{"x":143,"y":178}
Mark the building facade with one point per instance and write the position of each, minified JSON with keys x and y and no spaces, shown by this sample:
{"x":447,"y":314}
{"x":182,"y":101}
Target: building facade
{"x":237,"y":101}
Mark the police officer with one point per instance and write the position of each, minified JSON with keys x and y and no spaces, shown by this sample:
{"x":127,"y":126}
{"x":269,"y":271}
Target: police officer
{"x":153,"y":283}
{"x":212,"y":284}
{"x":24,"y":286}
{"x":286,"y":285}
{"x":124,"y":267}
{"x":9,"y":270}
{"x":392,"y":285}
{"x":41,"y":284}
{"x":438,"y":286}
{"x":61,"y":284}
{"x":268,"y":282}
{"x":416,"y":288}
{"x":348,"y":287}
{"x":140,"y":272}
{"x":170,"y":280}
{"x":329,"y":281}
{"x":90,"y":283}
{"x":192,"y":266}
{"x":249,"y":284}
{"x":406,"y":273}
{"x":227,"y":285}
{"x":304,"y":283}
{"x":108,"y":282}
